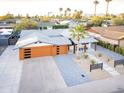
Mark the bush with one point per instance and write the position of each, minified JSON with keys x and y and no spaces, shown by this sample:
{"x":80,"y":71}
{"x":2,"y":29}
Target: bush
{"x":108,"y":59}
{"x":117,"y":21}
{"x":117,"y":49}
{"x":85,"y":56}
{"x":120,"y":50}
{"x":60,"y":26}
{"x":97,"y":21}
{"x":123,"y":51}
{"x":93,"y":61}
{"x":44,"y":27}
{"x":111,"y":47}
{"x":26,"y":24}
{"x":99,"y":55}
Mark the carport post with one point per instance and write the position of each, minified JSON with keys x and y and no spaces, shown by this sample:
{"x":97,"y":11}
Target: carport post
{"x":95,"y":46}
{"x":85,"y":47}
{"x":74,"y":47}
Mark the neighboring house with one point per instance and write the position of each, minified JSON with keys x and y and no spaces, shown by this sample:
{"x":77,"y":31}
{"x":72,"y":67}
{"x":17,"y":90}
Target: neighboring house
{"x":70,"y":22}
{"x":48,"y":25}
{"x":7,"y":37}
{"x":107,"y":23}
{"x":113,"y":35}
{"x":8,"y":24}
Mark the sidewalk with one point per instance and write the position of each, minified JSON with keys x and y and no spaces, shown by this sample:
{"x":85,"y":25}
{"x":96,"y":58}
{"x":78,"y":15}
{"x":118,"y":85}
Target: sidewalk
{"x":110,"y":85}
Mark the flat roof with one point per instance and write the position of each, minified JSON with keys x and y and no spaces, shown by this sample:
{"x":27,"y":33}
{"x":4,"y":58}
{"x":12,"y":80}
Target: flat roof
{"x":85,"y":40}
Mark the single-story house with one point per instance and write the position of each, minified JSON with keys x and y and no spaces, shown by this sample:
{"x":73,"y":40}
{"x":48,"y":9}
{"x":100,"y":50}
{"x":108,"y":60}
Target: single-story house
{"x":8,"y":24}
{"x":47,"y":25}
{"x":7,"y":37}
{"x":112,"y":35}
{"x":36,"y":43}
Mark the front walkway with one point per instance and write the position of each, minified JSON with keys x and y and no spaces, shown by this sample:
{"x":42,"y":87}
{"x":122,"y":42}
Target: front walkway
{"x":71,"y":71}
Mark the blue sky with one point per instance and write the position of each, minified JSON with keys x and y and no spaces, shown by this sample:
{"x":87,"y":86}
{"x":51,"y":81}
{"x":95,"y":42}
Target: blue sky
{"x":39,"y":7}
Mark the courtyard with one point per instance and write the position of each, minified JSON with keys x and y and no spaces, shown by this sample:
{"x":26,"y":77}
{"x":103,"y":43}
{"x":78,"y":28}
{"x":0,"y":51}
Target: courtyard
{"x":50,"y":74}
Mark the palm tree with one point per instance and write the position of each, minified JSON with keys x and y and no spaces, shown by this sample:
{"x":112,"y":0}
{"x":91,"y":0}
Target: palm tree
{"x":75,"y":10}
{"x":60,"y":10}
{"x":107,"y":6}
{"x":81,"y":11}
{"x":68,"y":10}
{"x":95,"y":3}
{"x":77,"y":33}
{"x":65,"y":13}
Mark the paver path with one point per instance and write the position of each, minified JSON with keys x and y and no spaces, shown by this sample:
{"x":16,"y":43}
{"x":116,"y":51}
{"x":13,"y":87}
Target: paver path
{"x":70,"y":70}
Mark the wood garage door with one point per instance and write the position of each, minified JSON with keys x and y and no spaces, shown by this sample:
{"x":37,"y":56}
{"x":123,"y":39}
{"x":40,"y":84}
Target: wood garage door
{"x":41,"y":51}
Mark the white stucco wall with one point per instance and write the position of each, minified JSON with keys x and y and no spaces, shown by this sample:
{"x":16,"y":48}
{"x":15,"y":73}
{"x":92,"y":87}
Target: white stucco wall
{"x":121,"y":43}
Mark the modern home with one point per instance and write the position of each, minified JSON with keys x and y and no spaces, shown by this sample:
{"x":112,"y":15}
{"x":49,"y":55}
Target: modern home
{"x":38,"y":43}
{"x":113,"y":35}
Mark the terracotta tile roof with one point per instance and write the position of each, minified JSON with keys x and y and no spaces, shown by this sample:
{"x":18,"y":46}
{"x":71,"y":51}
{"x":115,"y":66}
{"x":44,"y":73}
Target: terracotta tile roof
{"x":93,"y":31}
{"x":115,"y":33}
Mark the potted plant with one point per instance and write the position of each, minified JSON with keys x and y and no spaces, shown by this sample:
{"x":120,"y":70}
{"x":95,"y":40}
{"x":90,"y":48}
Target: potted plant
{"x":93,"y":61}
{"x":95,"y":65}
{"x":85,"y":56}
{"x":108,"y":60}
{"x":99,"y":55}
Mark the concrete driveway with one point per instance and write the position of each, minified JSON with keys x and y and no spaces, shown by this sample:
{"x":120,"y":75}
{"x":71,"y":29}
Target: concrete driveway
{"x":10,"y":71}
{"x":40,"y":75}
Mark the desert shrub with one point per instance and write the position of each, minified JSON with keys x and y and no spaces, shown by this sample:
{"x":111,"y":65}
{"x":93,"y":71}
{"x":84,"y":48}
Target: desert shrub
{"x":93,"y":61}
{"x":99,"y":55}
{"x":117,"y":21}
{"x":44,"y":27}
{"x":123,"y":51}
{"x":97,"y":20}
{"x":85,"y":56}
